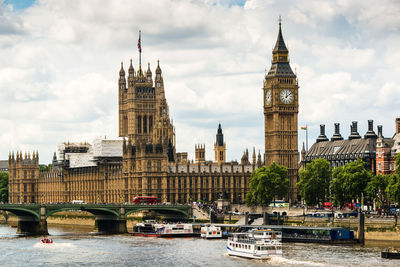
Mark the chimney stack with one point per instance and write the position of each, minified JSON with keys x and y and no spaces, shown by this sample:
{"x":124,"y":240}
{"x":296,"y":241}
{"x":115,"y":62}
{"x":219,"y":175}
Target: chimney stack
{"x":337,"y":136}
{"x":322,"y":137}
{"x":353,"y":131}
{"x":370,"y":133}
{"x":397,"y":125}
{"x":380,"y":131}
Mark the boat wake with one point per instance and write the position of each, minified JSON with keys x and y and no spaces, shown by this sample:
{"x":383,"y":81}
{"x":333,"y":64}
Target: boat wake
{"x":54,"y":245}
{"x":281,"y":261}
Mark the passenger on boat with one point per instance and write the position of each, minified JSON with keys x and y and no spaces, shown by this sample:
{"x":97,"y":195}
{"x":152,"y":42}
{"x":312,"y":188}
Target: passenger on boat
{"x":46,"y":241}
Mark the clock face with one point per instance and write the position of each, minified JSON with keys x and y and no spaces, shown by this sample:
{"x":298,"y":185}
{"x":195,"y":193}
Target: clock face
{"x":286,"y":96}
{"x":268,"y":97}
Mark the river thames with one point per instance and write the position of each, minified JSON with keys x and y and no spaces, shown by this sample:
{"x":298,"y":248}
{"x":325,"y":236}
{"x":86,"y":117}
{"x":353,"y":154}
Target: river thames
{"x":74,"y":246}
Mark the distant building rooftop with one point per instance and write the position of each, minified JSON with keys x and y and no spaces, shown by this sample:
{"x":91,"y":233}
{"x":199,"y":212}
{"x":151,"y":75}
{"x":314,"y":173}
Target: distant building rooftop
{"x":4,"y":165}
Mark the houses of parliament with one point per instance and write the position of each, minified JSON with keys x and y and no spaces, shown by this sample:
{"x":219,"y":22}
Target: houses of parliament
{"x":144,"y":161}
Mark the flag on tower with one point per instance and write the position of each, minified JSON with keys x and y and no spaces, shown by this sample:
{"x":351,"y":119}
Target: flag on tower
{"x":304,"y":127}
{"x":139,"y":45}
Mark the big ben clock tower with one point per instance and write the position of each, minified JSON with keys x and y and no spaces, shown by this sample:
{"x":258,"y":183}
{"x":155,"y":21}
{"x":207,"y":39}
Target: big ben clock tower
{"x":281,"y":106}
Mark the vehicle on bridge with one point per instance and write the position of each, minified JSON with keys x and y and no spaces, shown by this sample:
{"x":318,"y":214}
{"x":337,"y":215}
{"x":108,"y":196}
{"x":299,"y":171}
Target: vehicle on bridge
{"x":77,"y":202}
{"x":145,"y":200}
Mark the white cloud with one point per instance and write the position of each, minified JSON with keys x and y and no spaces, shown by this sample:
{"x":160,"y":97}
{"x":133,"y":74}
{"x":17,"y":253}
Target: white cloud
{"x":60,"y":64}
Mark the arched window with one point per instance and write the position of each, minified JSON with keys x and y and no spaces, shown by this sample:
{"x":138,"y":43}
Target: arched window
{"x":159,"y":165}
{"x":150,"y":124}
{"x":144,"y":124}
{"x":149,"y":166}
{"x":139,"y":124}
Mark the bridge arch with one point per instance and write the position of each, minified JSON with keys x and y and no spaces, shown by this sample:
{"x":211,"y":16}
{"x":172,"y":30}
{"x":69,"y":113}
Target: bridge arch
{"x":94,"y":211}
{"x":129,"y":210}
{"x":23,"y":212}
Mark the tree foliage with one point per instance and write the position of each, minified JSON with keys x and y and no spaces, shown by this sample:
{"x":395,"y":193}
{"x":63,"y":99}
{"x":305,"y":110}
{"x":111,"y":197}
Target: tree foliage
{"x":266,"y":184}
{"x":336,"y":186}
{"x":397,"y":162}
{"x":393,"y":188}
{"x":3,"y":186}
{"x":376,"y":188}
{"x":349,"y":182}
{"x":314,"y":181}
{"x":44,"y":168}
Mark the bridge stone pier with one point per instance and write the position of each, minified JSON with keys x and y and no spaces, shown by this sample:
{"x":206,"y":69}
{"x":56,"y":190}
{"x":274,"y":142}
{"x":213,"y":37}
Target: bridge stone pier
{"x":110,"y":223}
{"x":31,"y":219}
{"x":109,"y":218}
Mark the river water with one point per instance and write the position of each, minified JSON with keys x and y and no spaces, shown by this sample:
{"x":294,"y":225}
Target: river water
{"x":74,"y":246}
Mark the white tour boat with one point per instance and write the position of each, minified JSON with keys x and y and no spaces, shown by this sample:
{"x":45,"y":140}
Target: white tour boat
{"x":258,"y":244}
{"x":163,"y":229}
{"x":211,"y":232}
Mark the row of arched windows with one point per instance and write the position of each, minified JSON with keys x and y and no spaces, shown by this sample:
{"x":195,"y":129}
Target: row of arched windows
{"x":145,"y":124}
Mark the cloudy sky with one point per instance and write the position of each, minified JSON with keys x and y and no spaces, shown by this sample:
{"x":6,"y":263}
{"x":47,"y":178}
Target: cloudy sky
{"x":60,"y":62}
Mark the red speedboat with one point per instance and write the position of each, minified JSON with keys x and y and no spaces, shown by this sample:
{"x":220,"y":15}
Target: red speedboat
{"x":46,"y":241}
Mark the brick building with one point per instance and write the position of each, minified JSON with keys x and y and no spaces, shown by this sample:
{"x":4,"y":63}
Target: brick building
{"x":386,"y":150}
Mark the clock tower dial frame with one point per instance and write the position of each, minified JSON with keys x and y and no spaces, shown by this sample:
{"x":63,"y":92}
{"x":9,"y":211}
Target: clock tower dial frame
{"x":281,"y":114}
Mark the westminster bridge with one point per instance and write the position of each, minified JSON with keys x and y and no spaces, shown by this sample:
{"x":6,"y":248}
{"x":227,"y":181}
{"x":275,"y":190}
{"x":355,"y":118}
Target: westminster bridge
{"x":109,"y":218}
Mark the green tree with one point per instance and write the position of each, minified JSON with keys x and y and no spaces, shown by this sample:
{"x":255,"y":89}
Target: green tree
{"x":44,"y":168}
{"x":393,"y":188}
{"x":349,"y":182}
{"x":3,"y":186}
{"x":397,"y":162}
{"x":336,"y":186}
{"x":266,"y":184}
{"x":314,"y":181}
{"x":376,"y":188}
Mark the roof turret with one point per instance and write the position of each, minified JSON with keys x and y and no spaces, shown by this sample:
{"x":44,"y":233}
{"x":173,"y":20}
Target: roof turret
{"x":122,"y":71}
{"x":131,"y":69}
{"x":220,"y":136}
{"x":158,"y":69}
{"x":149,"y":74}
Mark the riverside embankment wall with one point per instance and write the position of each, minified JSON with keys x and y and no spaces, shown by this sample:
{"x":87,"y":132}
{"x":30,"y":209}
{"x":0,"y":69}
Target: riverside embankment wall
{"x":383,"y":229}
{"x":71,"y":218}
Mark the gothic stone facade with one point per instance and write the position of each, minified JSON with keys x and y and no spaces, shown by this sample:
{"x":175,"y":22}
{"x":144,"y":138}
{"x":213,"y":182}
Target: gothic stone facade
{"x":147,"y":163}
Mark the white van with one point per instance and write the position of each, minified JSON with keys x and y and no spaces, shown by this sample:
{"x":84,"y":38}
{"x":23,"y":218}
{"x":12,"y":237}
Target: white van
{"x":77,"y":202}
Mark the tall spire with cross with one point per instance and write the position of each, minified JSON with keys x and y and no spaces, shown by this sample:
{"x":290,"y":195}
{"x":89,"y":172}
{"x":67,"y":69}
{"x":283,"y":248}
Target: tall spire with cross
{"x":139,"y":46}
